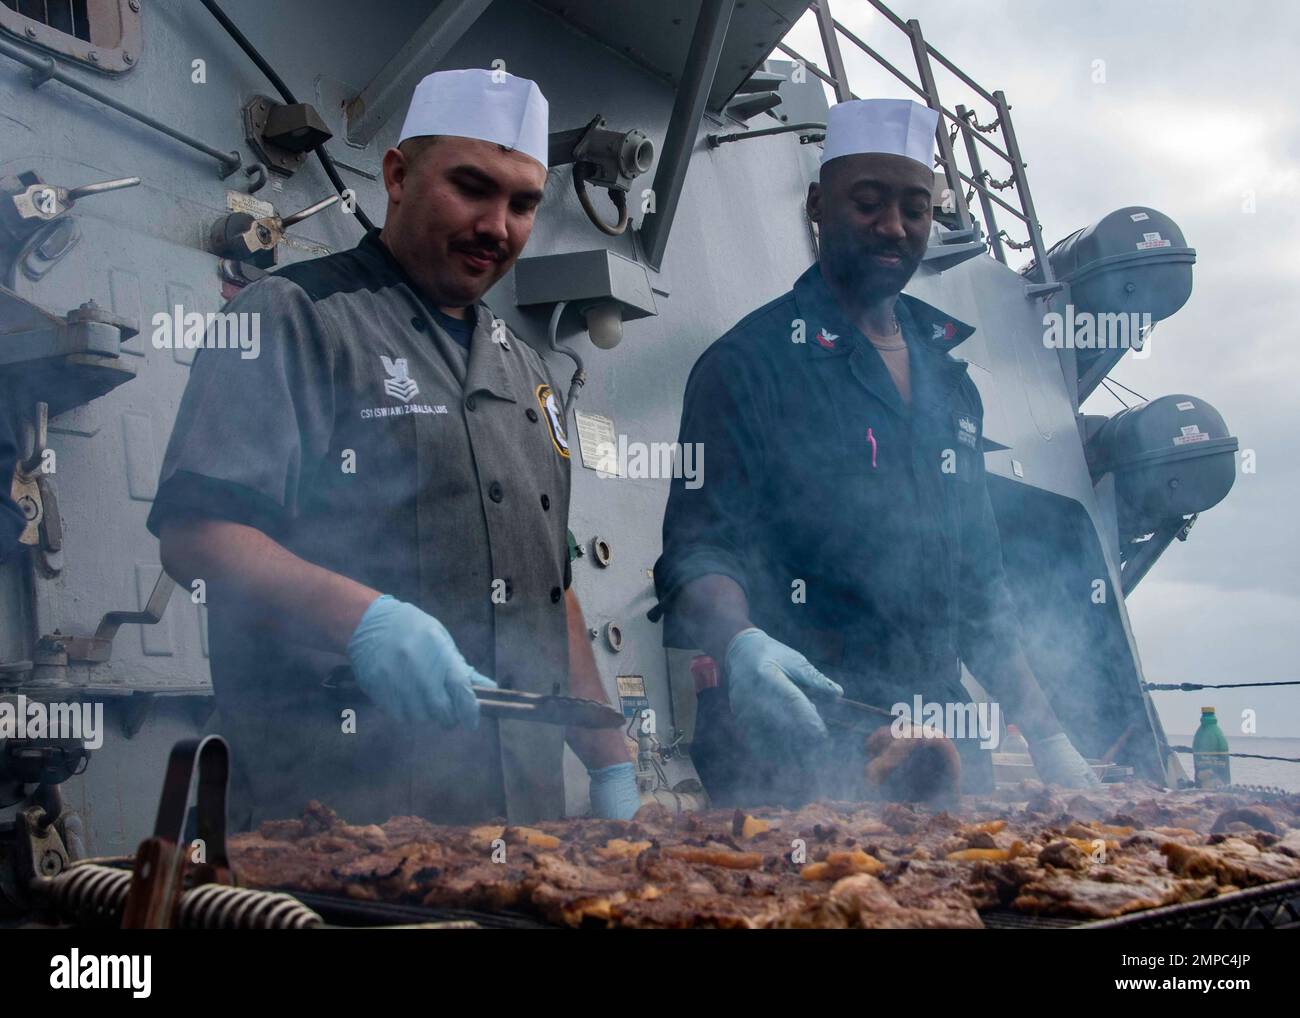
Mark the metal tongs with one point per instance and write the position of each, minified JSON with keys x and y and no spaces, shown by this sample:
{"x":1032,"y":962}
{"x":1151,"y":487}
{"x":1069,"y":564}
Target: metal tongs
{"x":515,"y":705}
{"x":839,"y":712}
{"x":163,"y":865}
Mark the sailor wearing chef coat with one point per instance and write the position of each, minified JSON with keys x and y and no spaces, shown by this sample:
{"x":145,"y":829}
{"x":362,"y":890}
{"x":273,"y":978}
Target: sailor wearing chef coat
{"x":377,"y":502}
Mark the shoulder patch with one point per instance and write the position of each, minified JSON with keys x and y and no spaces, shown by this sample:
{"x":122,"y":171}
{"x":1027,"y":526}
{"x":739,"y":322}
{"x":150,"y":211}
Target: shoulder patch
{"x":551,"y":413}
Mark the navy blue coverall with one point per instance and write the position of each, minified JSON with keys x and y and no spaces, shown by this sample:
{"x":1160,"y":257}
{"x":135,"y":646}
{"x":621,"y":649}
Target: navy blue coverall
{"x":859,"y":528}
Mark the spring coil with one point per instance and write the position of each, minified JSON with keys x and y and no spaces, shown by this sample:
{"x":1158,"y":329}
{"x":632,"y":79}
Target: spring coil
{"x":94,"y":894}
{"x":219,"y":906}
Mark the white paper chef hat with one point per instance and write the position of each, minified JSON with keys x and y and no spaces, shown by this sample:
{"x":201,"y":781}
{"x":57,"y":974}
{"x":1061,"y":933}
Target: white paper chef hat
{"x":475,"y":103}
{"x":896,"y":126}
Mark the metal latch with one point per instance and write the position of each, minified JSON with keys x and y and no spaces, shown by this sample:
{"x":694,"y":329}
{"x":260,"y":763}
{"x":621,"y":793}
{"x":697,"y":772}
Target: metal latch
{"x":32,"y":490}
{"x":36,"y":203}
{"x":245,"y":239}
{"x":48,"y":201}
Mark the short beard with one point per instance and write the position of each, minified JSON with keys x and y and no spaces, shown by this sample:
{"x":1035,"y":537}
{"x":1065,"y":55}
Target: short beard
{"x":852,"y":270}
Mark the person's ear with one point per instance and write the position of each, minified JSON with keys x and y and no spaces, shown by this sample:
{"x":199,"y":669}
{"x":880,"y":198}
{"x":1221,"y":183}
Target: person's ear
{"x":395,"y":166}
{"x":814,"y":202}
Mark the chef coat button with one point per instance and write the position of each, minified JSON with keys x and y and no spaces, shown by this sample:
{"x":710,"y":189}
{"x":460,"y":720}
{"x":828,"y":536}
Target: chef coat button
{"x":546,"y":501}
{"x":418,"y":323}
{"x":495,"y":492}
{"x":531,"y":414}
{"x":469,"y":403}
{"x":556,"y":594}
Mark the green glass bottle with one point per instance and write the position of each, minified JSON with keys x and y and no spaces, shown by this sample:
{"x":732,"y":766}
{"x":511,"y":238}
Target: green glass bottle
{"x":1210,"y":752}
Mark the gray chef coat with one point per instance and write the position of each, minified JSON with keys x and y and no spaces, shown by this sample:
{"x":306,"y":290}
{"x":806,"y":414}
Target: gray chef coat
{"x":365,"y":440}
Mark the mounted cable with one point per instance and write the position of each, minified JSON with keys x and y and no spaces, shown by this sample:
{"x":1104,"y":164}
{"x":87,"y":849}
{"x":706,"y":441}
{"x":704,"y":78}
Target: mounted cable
{"x":579,"y":375}
{"x":278,"y":83}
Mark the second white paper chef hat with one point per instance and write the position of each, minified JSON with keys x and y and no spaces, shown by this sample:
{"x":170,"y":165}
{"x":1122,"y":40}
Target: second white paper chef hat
{"x":892,"y":126}
{"x":476,"y":103}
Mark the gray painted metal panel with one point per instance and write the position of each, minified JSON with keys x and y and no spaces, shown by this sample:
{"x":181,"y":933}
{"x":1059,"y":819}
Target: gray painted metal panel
{"x":389,"y":92}
{"x":740,"y":238}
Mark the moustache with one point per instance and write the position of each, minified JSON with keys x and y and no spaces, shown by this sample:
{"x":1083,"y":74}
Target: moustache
{"x":887,"y":252}
{"x":492,"y":252}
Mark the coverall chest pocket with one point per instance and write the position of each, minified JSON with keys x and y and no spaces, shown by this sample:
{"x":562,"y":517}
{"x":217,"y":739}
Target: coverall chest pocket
{"x":878,"y":481}
{"x":874,"y":444}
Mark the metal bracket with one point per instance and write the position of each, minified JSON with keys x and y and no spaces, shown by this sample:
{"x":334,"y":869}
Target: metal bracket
{"x":283,"y":136}
{"x":136,"y":711}
{"x":426,"y":47}
{"x":58,"y":341}
{"x":26,"y":494}
{"x":1036,"y":290}
{"x":49,"y":528}
{"x":954,"y":247}
{"x":39,"y":848}
{"x":57,"y":649}
{"x":707,"y":39}
{"x":63,"y":362}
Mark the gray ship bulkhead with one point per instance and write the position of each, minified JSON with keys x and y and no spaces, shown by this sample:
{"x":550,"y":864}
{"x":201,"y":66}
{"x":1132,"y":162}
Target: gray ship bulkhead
{"x":739,"y":238}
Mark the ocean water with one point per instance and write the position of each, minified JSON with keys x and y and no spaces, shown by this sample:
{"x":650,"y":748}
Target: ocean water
{"x":1254,"y":772}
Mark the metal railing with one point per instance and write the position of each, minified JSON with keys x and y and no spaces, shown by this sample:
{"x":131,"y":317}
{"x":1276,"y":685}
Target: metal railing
{"x":45,"y":69}
{"x":963,"y":122}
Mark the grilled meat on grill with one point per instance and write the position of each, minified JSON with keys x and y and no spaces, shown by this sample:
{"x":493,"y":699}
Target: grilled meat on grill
{"x":1116,"y":850}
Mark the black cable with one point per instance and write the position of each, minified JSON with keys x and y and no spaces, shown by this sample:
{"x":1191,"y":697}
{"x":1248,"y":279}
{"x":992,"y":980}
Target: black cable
{"x":1114,"y":393}
{"x":1251,"y":756}
{"x":251,"y":52}
{"x":1191,"y":687}
{"x":1127,"y":389}
{"x":242,"y":41}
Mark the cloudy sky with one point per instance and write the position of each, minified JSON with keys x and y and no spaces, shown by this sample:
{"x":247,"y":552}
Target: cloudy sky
{"x":1197,"y":117}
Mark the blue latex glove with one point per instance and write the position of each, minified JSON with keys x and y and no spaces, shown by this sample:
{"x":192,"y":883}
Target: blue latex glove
{"x":614,"y":795}
{"x":767,"y":683}
{"x":407,"y":663}
{"x":1059,"y":763}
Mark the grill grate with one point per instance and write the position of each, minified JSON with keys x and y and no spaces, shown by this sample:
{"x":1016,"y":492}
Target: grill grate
{"x":1005,"y":919}
{"x":349,"y":912}
{"x":1270,"y":907}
